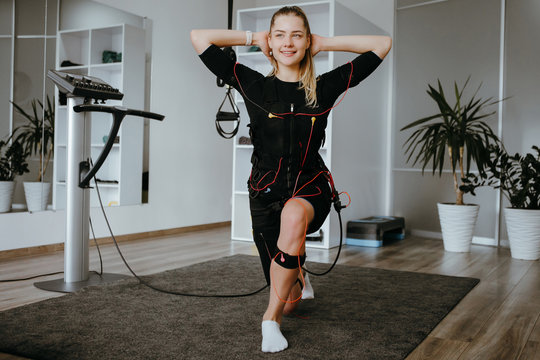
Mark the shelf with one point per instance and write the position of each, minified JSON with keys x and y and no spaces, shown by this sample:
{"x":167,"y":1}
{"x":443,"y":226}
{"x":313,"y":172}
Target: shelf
{"x":101,"y":185}
{"x":102,"y":145}
{"x":250,"y":147}
{"x":92,"y":145}
{"x":107,"y":185}
{"x":86,"y":46}
{"x":75,"y":69}
{"x":74,"y":47}
{"x":116,"y":66}
{"x":106,"y":39}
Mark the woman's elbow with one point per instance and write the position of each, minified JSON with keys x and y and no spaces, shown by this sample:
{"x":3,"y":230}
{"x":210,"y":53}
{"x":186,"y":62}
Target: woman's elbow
{"x":194,"y":36}
{"x":197,"y":40}
{"x":384,"y":47}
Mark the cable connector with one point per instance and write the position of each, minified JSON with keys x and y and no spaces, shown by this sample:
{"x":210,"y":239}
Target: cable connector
{"x":337,"y":204}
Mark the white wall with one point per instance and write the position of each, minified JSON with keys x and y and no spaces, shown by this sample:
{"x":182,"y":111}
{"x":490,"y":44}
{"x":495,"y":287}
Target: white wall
{"x":521,"y":126}
{"x":379,"y":12}
{"x":80,"y":14}
{"x":448,"y":41}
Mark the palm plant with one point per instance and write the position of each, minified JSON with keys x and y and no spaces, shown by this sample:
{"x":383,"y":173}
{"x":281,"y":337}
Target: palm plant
{"x":37,"y":134}
{"x":459,"y":131}
{"x":518,"y":177}
{"x":12,"y":162}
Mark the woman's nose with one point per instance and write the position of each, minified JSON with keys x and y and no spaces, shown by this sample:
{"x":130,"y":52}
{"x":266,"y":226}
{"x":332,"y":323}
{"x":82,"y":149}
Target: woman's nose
{"x":288,"y":41}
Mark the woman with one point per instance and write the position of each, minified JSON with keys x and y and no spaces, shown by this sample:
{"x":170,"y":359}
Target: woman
{"x":289,"y":188}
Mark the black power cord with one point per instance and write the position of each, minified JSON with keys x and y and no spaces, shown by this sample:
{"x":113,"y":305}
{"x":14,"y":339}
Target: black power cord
{"x":61,"y":272}
{"x":143,"y":282}
{"x":31,"y":277}
{"x":97,"y":246}
{"x":338,"y":207}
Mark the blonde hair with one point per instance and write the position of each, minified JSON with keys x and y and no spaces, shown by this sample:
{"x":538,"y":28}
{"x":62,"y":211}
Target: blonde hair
{"x":308,"y":80}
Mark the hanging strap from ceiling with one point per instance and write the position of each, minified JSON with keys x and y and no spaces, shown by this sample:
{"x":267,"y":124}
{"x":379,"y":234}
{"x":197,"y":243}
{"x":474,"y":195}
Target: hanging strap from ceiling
{"x":235,"y":114}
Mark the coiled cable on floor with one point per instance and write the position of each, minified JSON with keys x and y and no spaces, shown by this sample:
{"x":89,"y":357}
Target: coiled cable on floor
{"x":145,"y":283}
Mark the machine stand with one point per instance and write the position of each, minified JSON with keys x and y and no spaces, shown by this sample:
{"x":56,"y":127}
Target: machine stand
{"x":59,"y":285}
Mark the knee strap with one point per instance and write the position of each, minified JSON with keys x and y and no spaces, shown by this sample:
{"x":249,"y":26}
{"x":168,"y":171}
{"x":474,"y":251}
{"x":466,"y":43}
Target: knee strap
{"x":289,"y":261}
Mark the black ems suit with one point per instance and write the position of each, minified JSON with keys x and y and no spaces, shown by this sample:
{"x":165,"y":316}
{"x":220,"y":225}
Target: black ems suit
{"x":286,"y":135}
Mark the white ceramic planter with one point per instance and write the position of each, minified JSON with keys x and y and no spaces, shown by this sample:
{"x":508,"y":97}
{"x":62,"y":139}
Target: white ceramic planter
{"x":457,"y":225}
{"x":523,"y":233}
{"x":37,"y":195}
{"x":6,"y":195}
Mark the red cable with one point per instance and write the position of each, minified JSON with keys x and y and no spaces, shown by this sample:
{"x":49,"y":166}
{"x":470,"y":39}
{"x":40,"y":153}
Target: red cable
{"x":273,"y":181}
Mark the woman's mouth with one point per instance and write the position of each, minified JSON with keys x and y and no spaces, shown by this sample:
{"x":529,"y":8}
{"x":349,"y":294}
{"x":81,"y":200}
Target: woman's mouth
{"x":288,"y":53}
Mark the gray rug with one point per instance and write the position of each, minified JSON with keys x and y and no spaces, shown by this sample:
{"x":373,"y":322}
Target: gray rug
{"x":358,"y":313}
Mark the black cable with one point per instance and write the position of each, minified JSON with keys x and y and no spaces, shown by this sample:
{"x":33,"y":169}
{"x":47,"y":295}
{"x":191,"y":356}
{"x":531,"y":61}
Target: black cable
{"x":61,"y":272}
{"x":156,"y":288}
{"x":97,"y":246}
{"x":31,"y":277}
{"x":339,"y":249}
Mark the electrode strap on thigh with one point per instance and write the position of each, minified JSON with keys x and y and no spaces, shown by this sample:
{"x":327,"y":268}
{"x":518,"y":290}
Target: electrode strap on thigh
{"x":289,"y":261}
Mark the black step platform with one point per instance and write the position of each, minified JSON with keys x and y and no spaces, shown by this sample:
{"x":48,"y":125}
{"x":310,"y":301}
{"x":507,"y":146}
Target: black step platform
{"x":374,"y":231}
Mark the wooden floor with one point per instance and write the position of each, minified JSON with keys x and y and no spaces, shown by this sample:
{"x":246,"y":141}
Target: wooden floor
{"x":499,"y":319}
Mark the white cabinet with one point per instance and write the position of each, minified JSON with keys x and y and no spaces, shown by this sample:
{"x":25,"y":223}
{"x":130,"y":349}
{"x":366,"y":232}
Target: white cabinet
{"x":121,"y":174}
{"x":358,"y":135}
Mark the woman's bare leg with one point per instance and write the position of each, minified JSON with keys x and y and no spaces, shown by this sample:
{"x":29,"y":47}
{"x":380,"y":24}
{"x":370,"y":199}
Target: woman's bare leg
{"x":295,"y":216}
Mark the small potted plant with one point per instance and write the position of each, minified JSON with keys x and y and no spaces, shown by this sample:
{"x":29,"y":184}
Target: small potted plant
{"x":37,"y":138}
{"x":459,"y":132}
{"x":12,"y":163}
{"x":518,"y":177}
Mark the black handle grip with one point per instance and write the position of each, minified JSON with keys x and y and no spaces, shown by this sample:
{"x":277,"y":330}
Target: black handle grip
{"x":119,"y":113}
{"x":117,"y":110}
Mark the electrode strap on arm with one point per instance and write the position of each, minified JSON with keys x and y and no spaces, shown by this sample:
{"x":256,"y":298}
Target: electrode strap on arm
{"x":119,"y":113}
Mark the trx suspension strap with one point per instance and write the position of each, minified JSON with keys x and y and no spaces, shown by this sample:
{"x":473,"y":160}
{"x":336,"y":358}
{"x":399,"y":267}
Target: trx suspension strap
{"x":233,"y":115}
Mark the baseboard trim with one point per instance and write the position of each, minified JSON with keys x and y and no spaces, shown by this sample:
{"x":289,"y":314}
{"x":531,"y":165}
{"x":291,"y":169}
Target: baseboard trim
{"x":52,"y":248}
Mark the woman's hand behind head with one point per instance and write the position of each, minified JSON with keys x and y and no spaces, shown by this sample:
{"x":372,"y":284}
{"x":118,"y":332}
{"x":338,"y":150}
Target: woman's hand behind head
{"x":261,"y":40}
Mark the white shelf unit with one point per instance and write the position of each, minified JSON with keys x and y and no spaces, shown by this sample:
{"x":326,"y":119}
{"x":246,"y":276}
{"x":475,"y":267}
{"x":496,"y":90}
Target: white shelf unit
{"x":327,"y":18}
{"x":122,"y":170}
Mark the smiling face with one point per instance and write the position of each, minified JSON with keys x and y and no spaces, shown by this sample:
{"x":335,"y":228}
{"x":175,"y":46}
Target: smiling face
{"x":288,"y":39}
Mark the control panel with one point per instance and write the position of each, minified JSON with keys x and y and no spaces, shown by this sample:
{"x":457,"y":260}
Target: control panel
{"x":84,"y":86}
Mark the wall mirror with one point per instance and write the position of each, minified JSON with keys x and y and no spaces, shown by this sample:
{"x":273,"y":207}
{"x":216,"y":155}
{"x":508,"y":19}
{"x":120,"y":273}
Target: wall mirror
{"x":82,"y":37}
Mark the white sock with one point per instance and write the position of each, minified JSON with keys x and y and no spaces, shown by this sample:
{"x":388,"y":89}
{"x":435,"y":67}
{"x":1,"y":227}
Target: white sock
{"x":308,"y":292}
{"x":273,"y":340}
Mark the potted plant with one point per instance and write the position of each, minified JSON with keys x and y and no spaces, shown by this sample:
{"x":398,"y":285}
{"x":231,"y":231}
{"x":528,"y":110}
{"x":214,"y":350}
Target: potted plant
{"x":458,"y":132}
{"x":12,"y":163}
{"x":37,"y":138}
{"x":518,"y":177}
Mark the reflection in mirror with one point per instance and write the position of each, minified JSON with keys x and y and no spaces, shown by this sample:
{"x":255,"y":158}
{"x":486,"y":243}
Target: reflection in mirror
{"x":27,"y":45}
{"x":93,"y":39}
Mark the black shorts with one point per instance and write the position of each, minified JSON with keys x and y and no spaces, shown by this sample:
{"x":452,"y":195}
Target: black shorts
{"x":266,"y":207}
{"x":266,"y":210}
